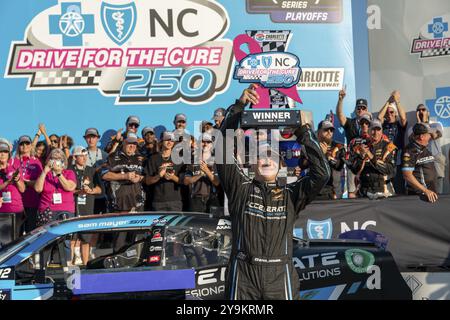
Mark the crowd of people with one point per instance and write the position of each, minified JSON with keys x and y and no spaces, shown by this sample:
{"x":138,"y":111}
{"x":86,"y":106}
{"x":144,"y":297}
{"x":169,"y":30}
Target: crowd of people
{"x":51,"y":179}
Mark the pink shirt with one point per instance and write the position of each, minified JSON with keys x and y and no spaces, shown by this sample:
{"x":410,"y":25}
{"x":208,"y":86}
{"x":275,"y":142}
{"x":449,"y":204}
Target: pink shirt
{"x":53,"y":186}
{"x":12,"y":198}
{"x":30,"y":169}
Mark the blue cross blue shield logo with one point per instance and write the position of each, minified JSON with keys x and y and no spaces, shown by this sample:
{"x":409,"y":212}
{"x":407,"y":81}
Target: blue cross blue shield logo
{"x":267,"y":62}
{"x":119,"y":21}
{"x":320,"y":229}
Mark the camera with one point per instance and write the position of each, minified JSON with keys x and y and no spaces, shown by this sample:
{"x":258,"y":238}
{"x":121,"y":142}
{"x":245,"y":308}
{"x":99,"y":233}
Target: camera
{"x":170,"y":169}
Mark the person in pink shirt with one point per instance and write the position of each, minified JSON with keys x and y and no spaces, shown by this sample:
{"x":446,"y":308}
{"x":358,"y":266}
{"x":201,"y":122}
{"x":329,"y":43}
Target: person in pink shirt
{"x":11,"y":188}
{"x":56,"y":185}
{"x":30,"y":169}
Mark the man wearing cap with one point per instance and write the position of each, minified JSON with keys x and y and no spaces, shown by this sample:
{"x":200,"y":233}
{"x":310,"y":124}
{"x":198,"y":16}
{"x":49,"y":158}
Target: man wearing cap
{"x":263,"y":213}
{"x":219,"y":115}
{"x":373,"y":161}
{"x":132,"y":124}
{"x":435,"y":144}
{"x":88,"y":187}
{"x":11,"y":189}
{"x":30,"y":169}
{"x":352,"y":130}
{"x":124,"y":175}
{"x":150,"y":144}
{"x":418,"y":164}
{"x":164,"y":175}
{"x":203,"y":179}
{"x":335,"y":154}
{"x":393,"y":117}
{"x":206,"y":126}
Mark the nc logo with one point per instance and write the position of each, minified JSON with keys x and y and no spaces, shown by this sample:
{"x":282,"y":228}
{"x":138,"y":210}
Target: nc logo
{"x":118,"y":21}
{"x":319,"y":229}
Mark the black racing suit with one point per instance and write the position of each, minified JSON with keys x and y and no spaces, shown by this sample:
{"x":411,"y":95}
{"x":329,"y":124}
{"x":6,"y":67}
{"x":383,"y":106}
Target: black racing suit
{"x":263,"y":218}
{"x":374,"y":173}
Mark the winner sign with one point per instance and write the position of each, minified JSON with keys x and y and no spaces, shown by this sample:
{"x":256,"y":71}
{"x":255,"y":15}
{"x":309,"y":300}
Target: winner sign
{"x":277,"y":72}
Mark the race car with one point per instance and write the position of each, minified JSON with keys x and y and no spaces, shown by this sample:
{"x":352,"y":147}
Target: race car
{"x":177,"y":256}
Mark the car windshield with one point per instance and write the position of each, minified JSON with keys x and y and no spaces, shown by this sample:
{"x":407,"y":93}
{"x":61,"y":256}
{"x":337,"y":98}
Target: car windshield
{"x":12,"y":248}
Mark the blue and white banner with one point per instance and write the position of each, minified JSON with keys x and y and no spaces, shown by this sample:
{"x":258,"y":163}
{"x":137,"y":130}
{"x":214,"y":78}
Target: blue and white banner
{"x":74,"y":64}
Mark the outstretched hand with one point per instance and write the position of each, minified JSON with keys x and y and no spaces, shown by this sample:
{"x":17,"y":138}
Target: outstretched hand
{"x":250,"y":95}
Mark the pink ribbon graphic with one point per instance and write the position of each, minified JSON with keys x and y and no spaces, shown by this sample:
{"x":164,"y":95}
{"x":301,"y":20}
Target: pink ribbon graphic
{"x":254,"y":48}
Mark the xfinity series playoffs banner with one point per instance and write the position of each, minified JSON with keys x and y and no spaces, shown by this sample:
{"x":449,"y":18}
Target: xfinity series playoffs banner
{"x":411,"y":52}
{"x":96,"y":62}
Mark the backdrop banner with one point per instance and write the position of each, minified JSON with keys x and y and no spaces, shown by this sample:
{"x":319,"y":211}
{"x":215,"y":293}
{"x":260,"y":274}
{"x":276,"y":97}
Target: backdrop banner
{"x":75,"y":64}
{"x":411,"y":53}
{"x":417,"y":231}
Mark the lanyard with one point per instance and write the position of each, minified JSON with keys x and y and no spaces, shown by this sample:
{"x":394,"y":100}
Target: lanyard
{"x":80,"y":177}
{"x":94,"y":163}
{"x":24,"y":168}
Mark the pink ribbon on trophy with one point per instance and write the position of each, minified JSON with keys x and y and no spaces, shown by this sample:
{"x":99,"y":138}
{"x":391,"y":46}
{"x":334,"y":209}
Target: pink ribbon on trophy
{"x":254,"y":48}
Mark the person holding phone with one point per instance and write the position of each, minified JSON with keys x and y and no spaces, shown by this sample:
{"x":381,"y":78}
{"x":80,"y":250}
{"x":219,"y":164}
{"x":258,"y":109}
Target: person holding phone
{"x":11,"y":188}
{"x":164,"y":175}
{"x":56,"y":185}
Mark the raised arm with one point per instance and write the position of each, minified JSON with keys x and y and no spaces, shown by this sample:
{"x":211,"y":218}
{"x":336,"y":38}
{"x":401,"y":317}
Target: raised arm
{"x":340,"y":107}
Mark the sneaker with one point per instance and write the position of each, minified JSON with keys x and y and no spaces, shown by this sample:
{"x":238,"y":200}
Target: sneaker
{"x":78,"y":261}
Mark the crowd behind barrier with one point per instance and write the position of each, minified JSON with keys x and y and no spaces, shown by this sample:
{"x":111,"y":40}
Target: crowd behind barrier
{"x":50,"y":179}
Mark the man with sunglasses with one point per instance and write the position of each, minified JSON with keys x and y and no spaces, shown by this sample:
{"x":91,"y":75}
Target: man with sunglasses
{"x":393,"y":117}
{"x":30,"y":169}
{"x":372,"y":161}
{"x":132,"y":125}
{"x":352,"y":130}
{"x":203,"y":179}
{"x":435,"y":146}
{"x":124,"y":175}
{"x":150,"y":144}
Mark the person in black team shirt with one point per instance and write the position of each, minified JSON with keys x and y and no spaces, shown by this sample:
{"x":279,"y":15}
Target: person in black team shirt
{"x":263,"y":214}
{"x":352,"y":130}
{"x":418,"y":164}
{"x":372,"y":161}
{"x":124,"y":175}
{"x":335,"y":154}
{"x":164,"y":175}
{"x":88,"y":186}
{"x":394,"y":120}
{"x":203,"y":179}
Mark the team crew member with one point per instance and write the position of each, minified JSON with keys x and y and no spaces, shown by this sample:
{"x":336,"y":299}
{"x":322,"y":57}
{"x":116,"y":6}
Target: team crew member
{"x":30,"y":170}
{"x":150,"y":144}
{"x":132,"y":124}
{"x":418,"y":164}
{"x":335,"y":154}
{"x":164,"y":176}
{"x":203,"y":180}
{"x":352,"y":130}
{"x":11,"y":189}
{"x":219,"y":115}
{"x":56,"y":186}
{"x":124,"y":175}
{"x":373,"y":162}
{"x":263,"y":214}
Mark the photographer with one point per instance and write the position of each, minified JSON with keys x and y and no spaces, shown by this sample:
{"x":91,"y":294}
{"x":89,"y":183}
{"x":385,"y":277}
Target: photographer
{"x":124,"y":176}
{"x":56,"y":185}
{"x":203,"y":180}
{"x":11,"y":188}
{"x":163,"y":175}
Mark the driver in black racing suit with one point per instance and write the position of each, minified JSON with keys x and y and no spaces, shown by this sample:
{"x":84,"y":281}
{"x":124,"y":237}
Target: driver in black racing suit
{"x":263,"y":216}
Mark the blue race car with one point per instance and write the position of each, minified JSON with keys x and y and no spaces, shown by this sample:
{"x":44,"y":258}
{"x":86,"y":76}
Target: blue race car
{"x":177,"y":256}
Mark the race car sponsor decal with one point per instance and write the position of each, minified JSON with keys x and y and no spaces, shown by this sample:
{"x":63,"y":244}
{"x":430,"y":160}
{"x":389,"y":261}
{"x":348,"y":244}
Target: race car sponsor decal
{"x":7,"y":273}
{"x":157,"y":236}
{"x":298,"y":11}
{"x":440,"y":107}
{"x":5,"y":294}
{"x":359,"y":260}
{"x":223,"y":224}
{"x":318,"y":266}
{"x":319,"y":229}
{"x":113,"y":223}
{"x":210,"y":283}
{"x":153,"y":249}
{"x":154,"y":259}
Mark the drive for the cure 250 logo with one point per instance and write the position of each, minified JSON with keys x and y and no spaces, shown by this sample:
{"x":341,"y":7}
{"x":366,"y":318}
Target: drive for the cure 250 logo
{"x":139,"y":52}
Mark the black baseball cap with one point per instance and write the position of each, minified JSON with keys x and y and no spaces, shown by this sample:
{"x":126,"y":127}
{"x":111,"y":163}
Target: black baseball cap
{"x":325,"y":124}
{"x":361,"y":102}
{"x":422,"y":128}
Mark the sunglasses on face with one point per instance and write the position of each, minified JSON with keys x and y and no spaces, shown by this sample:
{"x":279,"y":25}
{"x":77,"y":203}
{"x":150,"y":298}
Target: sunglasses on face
{"x":181,"y":121}
{"x":54,"y":141}
{"x":365,"y":123}
{"x":208,"y":142}
{"x":133,"y":125}
{"x":361,"y":108}
{"x":391,"y":112}
{"x":422,"y":110}
{"x":329,"y":130}
{"x":26,"y":143}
